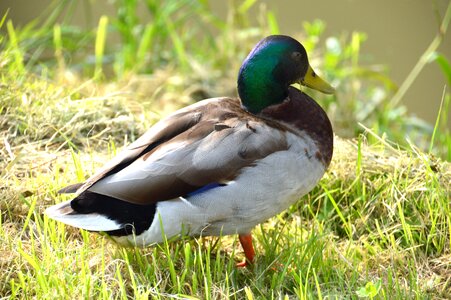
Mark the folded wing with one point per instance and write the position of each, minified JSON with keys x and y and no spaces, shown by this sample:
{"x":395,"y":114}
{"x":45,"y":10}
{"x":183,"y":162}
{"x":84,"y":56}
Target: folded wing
{"x":210,"y":143}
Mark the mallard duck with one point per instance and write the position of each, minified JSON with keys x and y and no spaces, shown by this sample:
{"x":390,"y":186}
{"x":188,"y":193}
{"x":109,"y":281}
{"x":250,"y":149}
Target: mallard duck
{"x":217,"y":167}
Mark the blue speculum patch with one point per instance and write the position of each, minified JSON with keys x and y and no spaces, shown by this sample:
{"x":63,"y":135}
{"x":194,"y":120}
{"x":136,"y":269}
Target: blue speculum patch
{"x":205,"y":188}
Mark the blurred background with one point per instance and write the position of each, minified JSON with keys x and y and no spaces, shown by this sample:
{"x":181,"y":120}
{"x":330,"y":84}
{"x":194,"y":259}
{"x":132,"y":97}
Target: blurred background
{"x":398,"y":32}
{"x":387,"y":59}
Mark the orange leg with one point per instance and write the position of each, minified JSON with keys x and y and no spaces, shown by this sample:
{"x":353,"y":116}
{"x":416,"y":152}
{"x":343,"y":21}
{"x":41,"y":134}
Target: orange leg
{"x":246,"y":243}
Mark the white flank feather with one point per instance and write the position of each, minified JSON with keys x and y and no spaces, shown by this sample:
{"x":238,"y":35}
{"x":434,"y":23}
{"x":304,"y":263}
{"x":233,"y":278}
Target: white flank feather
{"x":93,"y":222}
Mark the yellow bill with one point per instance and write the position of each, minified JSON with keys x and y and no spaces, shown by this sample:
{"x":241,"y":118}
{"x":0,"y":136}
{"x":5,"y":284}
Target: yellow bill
{"x":315,"y":82}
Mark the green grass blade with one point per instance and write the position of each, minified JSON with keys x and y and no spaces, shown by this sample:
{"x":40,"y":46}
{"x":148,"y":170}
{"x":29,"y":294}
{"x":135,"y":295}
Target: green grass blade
{"x":272,"y":23}
{"x":15,"y":48}
{"x":443,"y":63}
{"x":245,"y":6}
{"x":437,"y":121}
{"x":100,"y":45}
{"x":2,"y":21}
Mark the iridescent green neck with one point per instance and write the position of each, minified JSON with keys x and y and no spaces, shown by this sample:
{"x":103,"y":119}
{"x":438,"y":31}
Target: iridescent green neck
{"x":257,"y":86}
{"x":275,"y":62}
{"x":266,"y":73}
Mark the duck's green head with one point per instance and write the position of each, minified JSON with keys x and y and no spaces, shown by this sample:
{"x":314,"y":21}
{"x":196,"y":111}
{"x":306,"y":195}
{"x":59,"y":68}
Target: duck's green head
{"x":273,"y":65}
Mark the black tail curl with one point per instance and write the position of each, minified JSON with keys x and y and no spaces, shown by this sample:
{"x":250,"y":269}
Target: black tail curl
{"x":134,"y":217}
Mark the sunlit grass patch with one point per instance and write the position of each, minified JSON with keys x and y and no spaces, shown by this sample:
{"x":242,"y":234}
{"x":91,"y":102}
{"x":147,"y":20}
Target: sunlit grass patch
{"x":390,"y":228}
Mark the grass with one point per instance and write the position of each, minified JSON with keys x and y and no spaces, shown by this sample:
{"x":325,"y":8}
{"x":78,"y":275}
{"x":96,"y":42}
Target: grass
{"x":377,"y":226}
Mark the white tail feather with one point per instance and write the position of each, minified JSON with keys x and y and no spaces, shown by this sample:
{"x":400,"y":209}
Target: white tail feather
{"x":64,"y":213}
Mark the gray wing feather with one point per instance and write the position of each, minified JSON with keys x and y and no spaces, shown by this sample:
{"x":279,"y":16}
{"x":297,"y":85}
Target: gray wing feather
{"x":210,"y":147}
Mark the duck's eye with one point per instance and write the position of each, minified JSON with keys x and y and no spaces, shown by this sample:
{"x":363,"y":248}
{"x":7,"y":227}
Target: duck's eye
{"x":296,"y":55}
